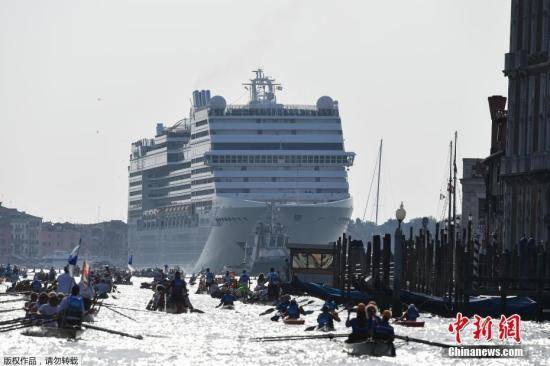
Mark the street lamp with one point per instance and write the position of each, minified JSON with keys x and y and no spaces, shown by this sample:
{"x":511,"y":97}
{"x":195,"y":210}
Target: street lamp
{"x":400,"y":215}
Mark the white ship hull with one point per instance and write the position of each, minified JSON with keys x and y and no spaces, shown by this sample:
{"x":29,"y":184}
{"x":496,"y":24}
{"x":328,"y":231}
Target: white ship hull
{"x":304,"y":223}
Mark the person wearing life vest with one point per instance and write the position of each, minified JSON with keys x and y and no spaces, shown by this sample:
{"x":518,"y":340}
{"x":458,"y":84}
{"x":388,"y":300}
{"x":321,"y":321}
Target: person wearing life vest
{"x":178,"y":292}
{"x":411,"y":313}
{"x":227,"y":299}
{"x":71,"y":308}
{"x":326,"y":318}
{"x":36,"y":285}
{"x":294,"y":310}
{"x":273,"y":286}
{"x":283,"y":304}
{"x":49,"y":312}
{"x":331,"y":305}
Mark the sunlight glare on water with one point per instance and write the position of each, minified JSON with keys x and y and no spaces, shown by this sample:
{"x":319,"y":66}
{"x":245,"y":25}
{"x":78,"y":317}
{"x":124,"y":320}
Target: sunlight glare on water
{"x":223,"y":337}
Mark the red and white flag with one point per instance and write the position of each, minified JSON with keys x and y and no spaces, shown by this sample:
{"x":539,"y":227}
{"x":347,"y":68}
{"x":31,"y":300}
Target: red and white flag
{"x":85,"y":279}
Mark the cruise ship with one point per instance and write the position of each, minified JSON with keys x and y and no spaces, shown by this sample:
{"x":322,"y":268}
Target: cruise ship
{"x":203,"y":190}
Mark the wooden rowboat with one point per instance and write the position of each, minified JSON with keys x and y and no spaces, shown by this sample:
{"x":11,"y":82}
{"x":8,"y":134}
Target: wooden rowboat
{"x":369,"y":347}
{"x":410,"y":323}
{"x":71,"y":333}
{"x":294,"y":321}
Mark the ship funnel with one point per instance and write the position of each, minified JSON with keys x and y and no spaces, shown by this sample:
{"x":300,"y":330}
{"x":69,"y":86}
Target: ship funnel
{"x":201,"y":98}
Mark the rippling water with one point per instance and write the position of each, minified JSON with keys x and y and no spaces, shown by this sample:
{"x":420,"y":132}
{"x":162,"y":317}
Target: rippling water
{"x":223,"y":337}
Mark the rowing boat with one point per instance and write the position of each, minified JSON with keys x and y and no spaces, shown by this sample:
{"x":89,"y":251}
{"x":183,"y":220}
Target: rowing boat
{"x":410,"y":323}
{"x":294,"y":321}
{"x":72,"y":333}
{"x":369,"y":347}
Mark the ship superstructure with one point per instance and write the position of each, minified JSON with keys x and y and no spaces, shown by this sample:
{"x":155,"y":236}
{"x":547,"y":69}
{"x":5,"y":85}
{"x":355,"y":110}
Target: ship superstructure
{"x":200,"y":189}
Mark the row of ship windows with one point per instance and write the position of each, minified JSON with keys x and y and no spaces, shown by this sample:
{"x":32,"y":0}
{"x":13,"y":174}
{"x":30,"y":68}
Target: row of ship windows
{"x":247,"y":179}
{"x":277,"y":146}
{"x":281,"y":190}
{"x":279,"y":159}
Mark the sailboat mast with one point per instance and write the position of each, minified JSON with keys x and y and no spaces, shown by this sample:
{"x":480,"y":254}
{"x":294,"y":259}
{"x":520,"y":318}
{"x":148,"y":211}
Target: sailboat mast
{"x":450,"y":188}
{"x":378,"y":185}
{"x":454,"y":190}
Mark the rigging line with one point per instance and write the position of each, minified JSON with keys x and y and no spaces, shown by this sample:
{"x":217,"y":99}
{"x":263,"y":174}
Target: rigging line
{"x":443,"y":188}
{"x":370,"y":188}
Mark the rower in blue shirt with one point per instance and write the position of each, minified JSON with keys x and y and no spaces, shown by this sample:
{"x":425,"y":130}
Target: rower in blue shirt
{"x":227,"y":300}
{"x":244,"y":279}
{"x":411,"y":313}
{"x":326,"y":318}
{"x":72,"y":308}
{"x":293,"y":311}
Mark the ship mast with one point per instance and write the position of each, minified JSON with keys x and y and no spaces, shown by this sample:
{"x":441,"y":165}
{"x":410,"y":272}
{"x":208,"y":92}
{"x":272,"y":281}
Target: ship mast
{"x":378,"y":184}
{"x":262,"y":88}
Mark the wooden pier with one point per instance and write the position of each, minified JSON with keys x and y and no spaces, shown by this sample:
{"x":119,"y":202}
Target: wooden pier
{"x":431,"y":264}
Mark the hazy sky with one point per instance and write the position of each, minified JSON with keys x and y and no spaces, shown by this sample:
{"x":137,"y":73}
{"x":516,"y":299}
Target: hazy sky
{"x":81,"y":80}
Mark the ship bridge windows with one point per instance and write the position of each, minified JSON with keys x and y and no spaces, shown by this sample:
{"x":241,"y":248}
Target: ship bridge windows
{"x":281,"y":159}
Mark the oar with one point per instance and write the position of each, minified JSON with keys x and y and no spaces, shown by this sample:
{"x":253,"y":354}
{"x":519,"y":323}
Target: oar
{"x":15,"y":320}
{"x":194,"y":310}
{"x":15,"y":327}
{"x":417,"y":340}
{"x":275,"y":318}
{"x":14,"y":300}
{"x":10,"y":310}
{"x":131,"y":309}
{"x":268,"y":311}
{"x":299,"y":337}
{"x":118,"y":312}
{"x":309,"y":329}
{"x":88,"y":326}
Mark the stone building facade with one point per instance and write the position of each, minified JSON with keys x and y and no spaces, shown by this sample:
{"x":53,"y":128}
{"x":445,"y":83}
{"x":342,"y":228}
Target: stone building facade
{"x":473,"y":195}
{"x":525,"y":164}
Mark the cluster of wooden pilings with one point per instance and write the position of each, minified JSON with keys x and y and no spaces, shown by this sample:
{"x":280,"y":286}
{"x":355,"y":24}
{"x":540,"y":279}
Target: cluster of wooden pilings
{"x":434,"y":264}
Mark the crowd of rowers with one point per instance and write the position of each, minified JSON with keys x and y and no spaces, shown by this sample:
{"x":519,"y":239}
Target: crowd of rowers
{"x":58,"y":301}
{"x":171,"y":288}
{"x":171,"y":293}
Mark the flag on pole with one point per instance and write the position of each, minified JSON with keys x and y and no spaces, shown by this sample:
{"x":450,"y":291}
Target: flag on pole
{"x":85,"y":279}
{"x":73,"y":258}
{"x":130,"y":260}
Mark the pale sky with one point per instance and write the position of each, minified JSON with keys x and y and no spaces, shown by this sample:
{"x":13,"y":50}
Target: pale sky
{"x":81,"y":80}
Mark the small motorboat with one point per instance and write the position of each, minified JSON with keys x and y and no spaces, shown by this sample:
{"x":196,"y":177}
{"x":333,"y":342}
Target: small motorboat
{"x":410,"y":323}
{"x":294,"y":321}
{"x":369,"y":347}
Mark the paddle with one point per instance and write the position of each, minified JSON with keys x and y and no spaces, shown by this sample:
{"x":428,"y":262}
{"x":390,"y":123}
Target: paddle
{"x":118,"y":312}
{"x":338,"y":335}
{"x":88,"y":326}
{"x":10,"y":310}
{"x":14,"y":300}
{"x":193,"y":310}
{"x":268,"y":311}
{"x":417,"y":340}
{"x":309,"y":329}
{"x":275,"y":318}
{"x":10,"y":321}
